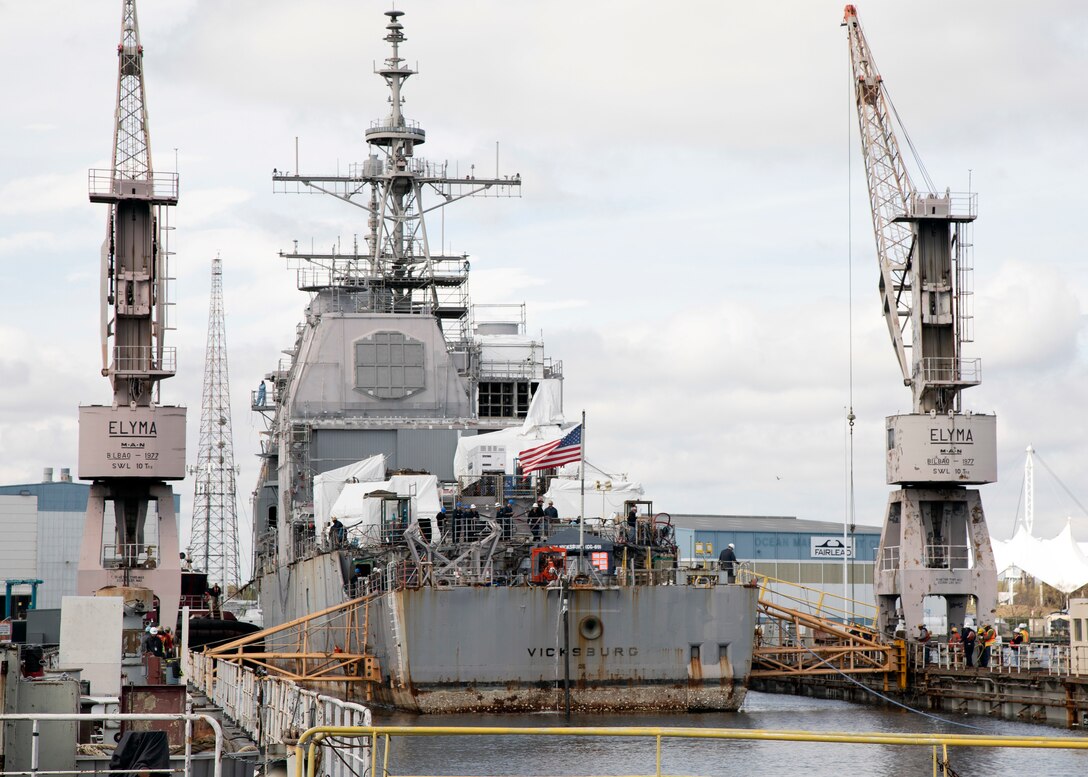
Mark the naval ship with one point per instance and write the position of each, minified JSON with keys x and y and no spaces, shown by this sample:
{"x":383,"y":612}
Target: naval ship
{"x":392,"y":473}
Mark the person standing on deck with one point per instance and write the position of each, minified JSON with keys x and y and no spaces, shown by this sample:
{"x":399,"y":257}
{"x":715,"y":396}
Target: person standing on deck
{"x":955,"y":646}
{"x":442,"y":520}
{"x":536,"y":520}
{"x":337,"y":532}
{"x":213,"y":595}
{"x":632,"y":524}
{"x":988,"y":636}
{"x":550,"y":512}
{"x":505,"y":517}
{"x":969,"y":636}
{"x":923,"y":639}
{"x":727,"y":562}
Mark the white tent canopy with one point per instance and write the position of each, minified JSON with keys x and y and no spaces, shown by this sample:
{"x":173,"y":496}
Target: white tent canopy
{"x":361,"y":514}
{"x":328,"y":485}
{"x":1059,"y":562}
{"x":600,"y":502}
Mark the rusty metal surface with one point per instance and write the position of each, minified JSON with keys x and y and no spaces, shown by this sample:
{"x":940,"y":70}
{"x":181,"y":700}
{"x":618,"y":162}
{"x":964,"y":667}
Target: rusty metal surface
{"x":155,"y":699}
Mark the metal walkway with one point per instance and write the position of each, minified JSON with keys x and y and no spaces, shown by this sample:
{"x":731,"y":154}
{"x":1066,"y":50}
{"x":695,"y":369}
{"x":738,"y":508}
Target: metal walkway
{"x":803,"y":631}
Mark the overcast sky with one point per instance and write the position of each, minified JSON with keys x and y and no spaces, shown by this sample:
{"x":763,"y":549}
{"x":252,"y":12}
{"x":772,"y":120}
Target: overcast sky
{"x":693,"y":203}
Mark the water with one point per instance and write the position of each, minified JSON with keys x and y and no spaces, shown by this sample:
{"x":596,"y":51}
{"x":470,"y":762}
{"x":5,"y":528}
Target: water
{"x":516,"y":755}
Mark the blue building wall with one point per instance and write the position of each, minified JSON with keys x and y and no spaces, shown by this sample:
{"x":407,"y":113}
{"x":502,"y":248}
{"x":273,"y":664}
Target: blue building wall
{"x":783,"y":546}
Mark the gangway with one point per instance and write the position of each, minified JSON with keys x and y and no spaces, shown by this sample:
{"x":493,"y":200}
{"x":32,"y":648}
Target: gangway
{"x":804,"y":631}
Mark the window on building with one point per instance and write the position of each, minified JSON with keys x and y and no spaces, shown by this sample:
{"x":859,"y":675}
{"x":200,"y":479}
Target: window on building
{"x":389,"y":365}
{"x":1078,"y":629}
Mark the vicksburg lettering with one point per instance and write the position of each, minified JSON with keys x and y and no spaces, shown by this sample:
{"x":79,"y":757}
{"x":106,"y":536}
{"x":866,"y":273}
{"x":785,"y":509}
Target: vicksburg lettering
{"x":590,"y":652}
{"x":962,"y":436}
{"x":133,"y":429}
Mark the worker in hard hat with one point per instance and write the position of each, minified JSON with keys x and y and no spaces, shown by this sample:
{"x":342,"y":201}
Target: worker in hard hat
{"x":727,"y":561}
{"x":1016,"y":644}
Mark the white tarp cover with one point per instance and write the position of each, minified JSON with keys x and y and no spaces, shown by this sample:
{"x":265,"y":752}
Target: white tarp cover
{"x":1059,"y":562}
{"x":328,"y":485}
{"x":515,"y":440}
{"x":362,"y":516}
{"x":546,"y":408}
{"x":567,"y":494}
{"x":543,"y":423}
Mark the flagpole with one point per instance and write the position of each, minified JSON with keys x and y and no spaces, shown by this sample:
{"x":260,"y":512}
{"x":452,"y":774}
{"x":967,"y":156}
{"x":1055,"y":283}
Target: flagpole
{"x":582,"y":517}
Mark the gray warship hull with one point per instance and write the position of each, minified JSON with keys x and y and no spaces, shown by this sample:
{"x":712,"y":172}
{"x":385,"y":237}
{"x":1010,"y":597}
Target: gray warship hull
{"x":501,"y":648}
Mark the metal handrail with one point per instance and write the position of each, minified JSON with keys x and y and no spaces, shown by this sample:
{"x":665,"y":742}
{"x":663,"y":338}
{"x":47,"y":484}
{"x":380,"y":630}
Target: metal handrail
{"x":946,"y":556}
{"x":36,"y":718}
{"x":310,"y":739}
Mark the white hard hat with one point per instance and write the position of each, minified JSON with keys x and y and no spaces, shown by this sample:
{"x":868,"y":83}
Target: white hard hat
{"x":730,"y":545}
{"x":498,"y":504}
{"x":154,"y":630}
{"x":1022,"y":626}
{"x":472,"y":507}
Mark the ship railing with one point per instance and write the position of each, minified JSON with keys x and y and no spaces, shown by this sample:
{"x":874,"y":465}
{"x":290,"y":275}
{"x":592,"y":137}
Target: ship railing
{"x":511,"y":369}
{"x":946,"y":557}
{"x":131,"y":555}
{"x":305,"y":547}
{"x":1031,"y":658}
{"x":37,"y":734}
{"x":264,"y":399}
{"x":813,"y":602}
{"x":655,"y":738}
{"x":274,"y":710}
{"x":644,"y":577}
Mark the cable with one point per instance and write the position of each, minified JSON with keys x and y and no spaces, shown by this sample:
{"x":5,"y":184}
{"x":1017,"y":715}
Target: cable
{"x":890,"y":700}
{"x":1060,"y":483}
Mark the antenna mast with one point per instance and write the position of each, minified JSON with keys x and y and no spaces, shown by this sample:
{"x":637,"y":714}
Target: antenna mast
{"x":214,"y":544}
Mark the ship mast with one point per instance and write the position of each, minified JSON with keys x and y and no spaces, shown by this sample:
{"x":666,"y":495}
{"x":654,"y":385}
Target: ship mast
{"x":397,"y":270}
{"x":401,"y":271}
{"x":935,"y":541}
{"x":131,"y":446}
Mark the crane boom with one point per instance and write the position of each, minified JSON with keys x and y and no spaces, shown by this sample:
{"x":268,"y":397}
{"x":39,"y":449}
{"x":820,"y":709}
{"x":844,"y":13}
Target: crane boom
{"x":890,"y":189}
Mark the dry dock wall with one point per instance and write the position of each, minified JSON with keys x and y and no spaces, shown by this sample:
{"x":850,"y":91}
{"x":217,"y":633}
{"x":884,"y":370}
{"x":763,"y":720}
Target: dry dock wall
{"x":1053,"y":700}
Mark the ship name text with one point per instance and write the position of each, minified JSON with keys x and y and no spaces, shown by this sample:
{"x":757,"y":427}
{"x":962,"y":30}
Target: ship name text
{"x":589,"y":652}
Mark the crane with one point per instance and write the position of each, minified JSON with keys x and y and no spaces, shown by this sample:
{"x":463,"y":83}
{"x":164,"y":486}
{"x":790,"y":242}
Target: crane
{"x":935,"y":541}
{"x":130,"y":447}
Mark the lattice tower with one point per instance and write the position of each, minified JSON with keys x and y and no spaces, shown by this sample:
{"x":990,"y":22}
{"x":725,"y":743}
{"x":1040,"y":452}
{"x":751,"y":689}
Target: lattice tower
{"x":214,"y":544}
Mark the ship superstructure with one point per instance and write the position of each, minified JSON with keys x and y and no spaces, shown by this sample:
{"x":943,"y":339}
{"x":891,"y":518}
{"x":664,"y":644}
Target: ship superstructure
{"x":391,"y":358}
{"x":390,"y":476}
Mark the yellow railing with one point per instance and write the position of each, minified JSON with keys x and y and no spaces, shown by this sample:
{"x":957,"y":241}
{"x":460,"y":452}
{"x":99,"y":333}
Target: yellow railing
{"x":306,"y":748}
{"x":815,"y":601}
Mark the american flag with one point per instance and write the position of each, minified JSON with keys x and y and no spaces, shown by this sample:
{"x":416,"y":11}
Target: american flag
{"x":554,"y":453}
